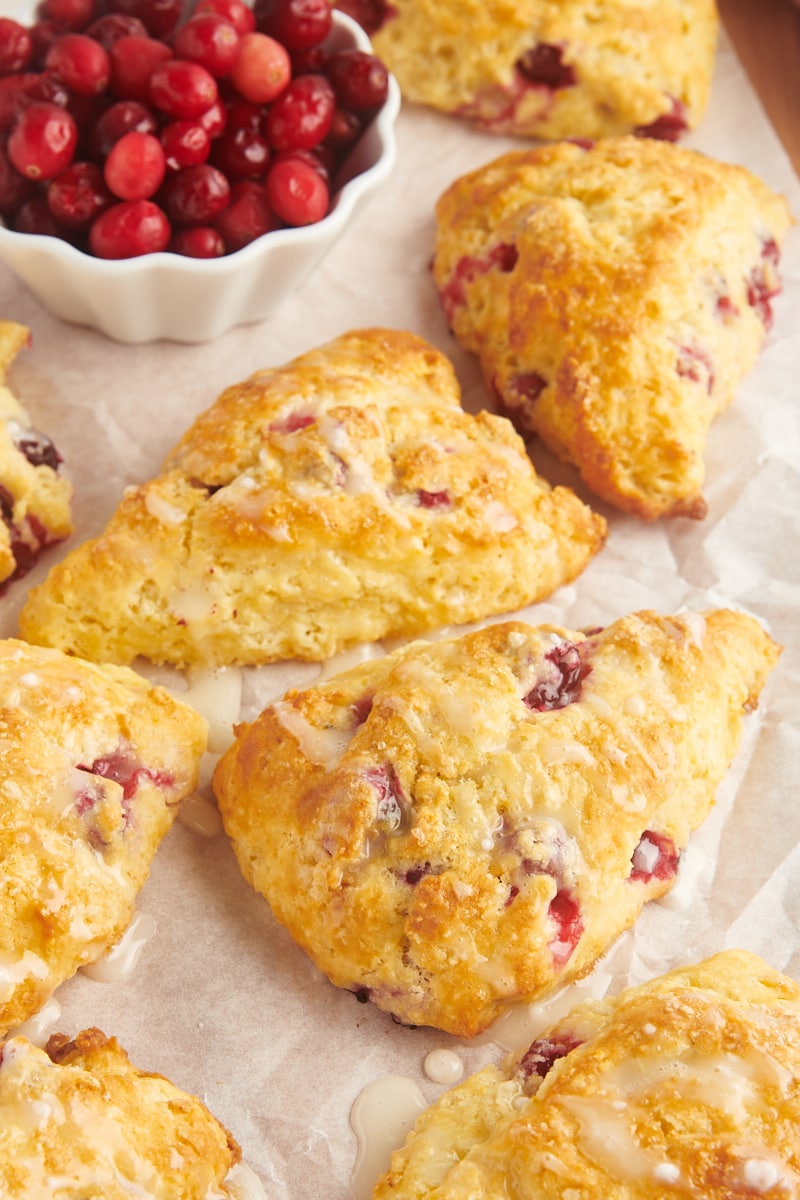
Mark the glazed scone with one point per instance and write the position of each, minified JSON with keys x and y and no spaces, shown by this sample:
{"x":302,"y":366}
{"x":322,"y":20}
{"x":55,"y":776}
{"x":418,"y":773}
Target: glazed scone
{"x":79,"y":1120}
{"x":685,"y":1086}
{"x":551,"y":68}
{"x":466,"y":824}
{"x":93,"y":765}
{"x":615,"y":297}
{"x":34,"y":497}
{"x":340,"y":499}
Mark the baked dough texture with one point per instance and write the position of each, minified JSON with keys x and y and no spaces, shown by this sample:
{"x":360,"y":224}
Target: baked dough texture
{"x":340,"y":499}
{"x":554,"y":68}
{"x":472,"y":822}
{"x":78,"y":1120}
{"x":688,"y":1085}
{"x":35,"y":498}
{"x":615,"y":297}
{"x":93,"y":764}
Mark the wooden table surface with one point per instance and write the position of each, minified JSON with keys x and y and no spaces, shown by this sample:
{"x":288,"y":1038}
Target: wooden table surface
{"x":766,"y":34}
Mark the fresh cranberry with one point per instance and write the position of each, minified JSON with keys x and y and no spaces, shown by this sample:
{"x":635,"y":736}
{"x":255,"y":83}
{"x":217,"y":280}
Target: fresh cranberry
{"x":310,"y":61}
{"x":297,"y":192}
{"x":371,"y":15}
{"x":160,"y":16}
{"x":43,"y":141}
{"x":81,"y":63}
{"x":241,"y":153}
{"x":237,"y":12}
{"x":34,"y":216}
{"x":198,"y":241}
{"x":360,"y":80}
{"x":185,"y":144}
{"x":302,"y":115}
{"x":195,"y":195}
{"x":346,"y":128}
{"x":209,"y":40}
{"x":126,"y":116}
{"x":16,"y":47}
{"x":263,"y":68}
{"x":298,"y":24}
{"x":247,"y":217}
{"x":540,"y":1056}
{"x":563,"y":683}
{"x":544,"y":65}
{"x":565,"y":912}
{"x":135,"y":167}
{"x":14,"y":188}
{"x":655,"y":857}
{"x":43,"y":33}
{"x":181,"y":89}
{"x":133,"y":60}
{"x":129,"y":229}
{"x":112,"y":26}
{"x":78,"y":195}
{"x":669,"y":126}
{"x":214,"y":119}
{"x":74,"y":14}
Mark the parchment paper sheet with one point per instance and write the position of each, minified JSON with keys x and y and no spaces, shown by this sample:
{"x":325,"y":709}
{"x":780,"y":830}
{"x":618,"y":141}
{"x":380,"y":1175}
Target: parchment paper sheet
{"x":221,"y":1000}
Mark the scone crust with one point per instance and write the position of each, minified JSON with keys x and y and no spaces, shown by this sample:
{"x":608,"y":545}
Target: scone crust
{"x":689,"y":1084}
{"x":94,"y":762}
{"x":615,"y":297}
{"x":442,"y":844}
{"x":35,"y":498}
{"x":629,"y":64}
{"x":82,"y":1114}
{"x":340,"y":499}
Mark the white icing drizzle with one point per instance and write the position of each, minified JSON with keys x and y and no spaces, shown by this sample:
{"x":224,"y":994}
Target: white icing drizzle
{"x":162,"y":510}
{"x":443,"y":1066}
{"x":523,"y":1023}
{"x":242,"y":1183}
{"x":382,"y":1115}
{"x":323,"y":747}
{"x":667,"y":1172}
{"x":216,"y":695}
{"x":119,"y":962}
{"x":14,"y":971}
{"x":37,"y":1029}
{"x":351,"y":658}
{"x":201,"y":815}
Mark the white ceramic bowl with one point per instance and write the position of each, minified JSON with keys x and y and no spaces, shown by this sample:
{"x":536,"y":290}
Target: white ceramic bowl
{"x":193,"y":300}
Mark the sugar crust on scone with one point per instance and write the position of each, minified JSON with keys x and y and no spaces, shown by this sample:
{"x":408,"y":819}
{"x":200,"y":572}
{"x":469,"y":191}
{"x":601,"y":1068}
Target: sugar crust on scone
{"x":469,"y":823}
{"x":79,"y":1120}
{"x":340,"y":499}
{"x":615,"y":296}
{"x":688,"y":1085}
{"x":35,"y":497}
{"x":94,"y":762}
{"x":555,"y":68}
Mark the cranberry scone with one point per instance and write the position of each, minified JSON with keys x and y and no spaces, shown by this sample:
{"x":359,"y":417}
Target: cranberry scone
{"x":35,"y":497}
{"x":93,"y":765}
{"x":688,"y":1085}
{"x":469,"y":823}
{"x":551,"y":68}
{"x":78,"y":1119}
{"x":615,"y":296}
{"x":340,"y":499}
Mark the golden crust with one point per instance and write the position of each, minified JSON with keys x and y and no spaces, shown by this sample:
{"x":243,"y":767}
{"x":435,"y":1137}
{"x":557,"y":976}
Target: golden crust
{"x":340,"y":499}
{"x":34,"y":497}
{"x":468,"y":823}
{"x":630,"y":63}
{"x":81,"y":1114}
{"x":687,"y":1085}
{"x":615,"y":297}
{"x":93,"y":764}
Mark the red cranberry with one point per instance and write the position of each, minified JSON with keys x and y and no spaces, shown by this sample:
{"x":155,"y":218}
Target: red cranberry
{"x":360,"y":80}
{"x":299,"y":24}
{"x":346,"y":128}
{"x":133,"y":60}
{"x":371,"y":15}
{"x":262,"y":70}
{"x":185,"y":144}
{"x":209,"y":40}
{"x":669,"y":126}
{"x":135,"y":167}
{"x":503,"y":256}
{"x":540,"y":1056}
{"x":565,"y":912}
{"x":78,"y":195}
{"x":43,"y":34}
{"x":74,"y":14}
{"x":302,"y":116}
{"x":527,"y":387}
{"x":129,"y":229}
{"x":123,"y":117}
{"x":16,"y":47}
{"x":195,"y":195}
{"x":160,"y":16}
{"x":112,"y":26}
{"x":544,"y":65}
{"x":182,"y":89}
{"x":43,"y":141}
{"x":198,"y":241}
{"x":247,"y":217}
{"x":297,"y":192}
{"x":14,"y":188}
{"x":214,"y":119}
{"x":655,"y":857}
{"x":433,"y":499}
{"x":241,"y":154}
{"x":238,"y":13}
{"x":80,"y":63}
{"x":34,"y":216}
{"x":563,"y":683}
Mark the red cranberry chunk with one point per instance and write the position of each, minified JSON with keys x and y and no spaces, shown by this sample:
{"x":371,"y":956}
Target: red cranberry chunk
{"x":693,"y":363}
{"x":540,"y":1056}
{"x":16,"y":46}
{"x":124,"y":768}
{"x":562,"y":686}
{"x":37,"y":448}
{"x":655,"y":857}
{"x":434,"y":499}
{"x":760,"y":290}
{"x":565,"y":912}
{"x":391,"y":799}
{"x":544,"y":65}
{"x":292,"y":422}
{"x":527,"y":387}
{"x":361,"y":709}
{"x":503,"y":256}
{"x":726,"y":309}
{"x":669,"y":126}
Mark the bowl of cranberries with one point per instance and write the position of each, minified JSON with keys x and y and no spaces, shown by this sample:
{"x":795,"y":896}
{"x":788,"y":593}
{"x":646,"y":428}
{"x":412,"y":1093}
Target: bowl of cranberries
{"x":171,"y":173}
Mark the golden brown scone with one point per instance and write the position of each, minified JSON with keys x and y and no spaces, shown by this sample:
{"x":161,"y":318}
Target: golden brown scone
{"x":685,"y":1086}
{"x":34,"y":497}
{"x":79,"y":1121}
{"x":551,"y":68}
{"x":93,"y":764}
{"x":340,"y":499}
{"x":615,"y":297}
{"x":469,"y":823}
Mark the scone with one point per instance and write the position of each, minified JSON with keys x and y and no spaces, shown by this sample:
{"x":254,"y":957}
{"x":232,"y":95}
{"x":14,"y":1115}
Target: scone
{"x":34,"y":497}
{"x":615,"y":297}
{"x":685,"y":1086}
{"x":93,"y":765}
{"x":340,"y":499}
{"x":79,"y":1120}
{"x":470,"y":823}
{"x":551,"y":68}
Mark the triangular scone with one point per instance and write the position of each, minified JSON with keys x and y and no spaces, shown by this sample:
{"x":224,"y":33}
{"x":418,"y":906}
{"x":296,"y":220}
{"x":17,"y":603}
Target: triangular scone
{"x":340,"y":499}
{"x":34,"y":497}
{"x":685,"y":1086}
{"x":469,"y":823}
{"x":93,"y":764}
{"x":615,"y":295}
{"x":78,"y":1119}
{"x":552,"y":68}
